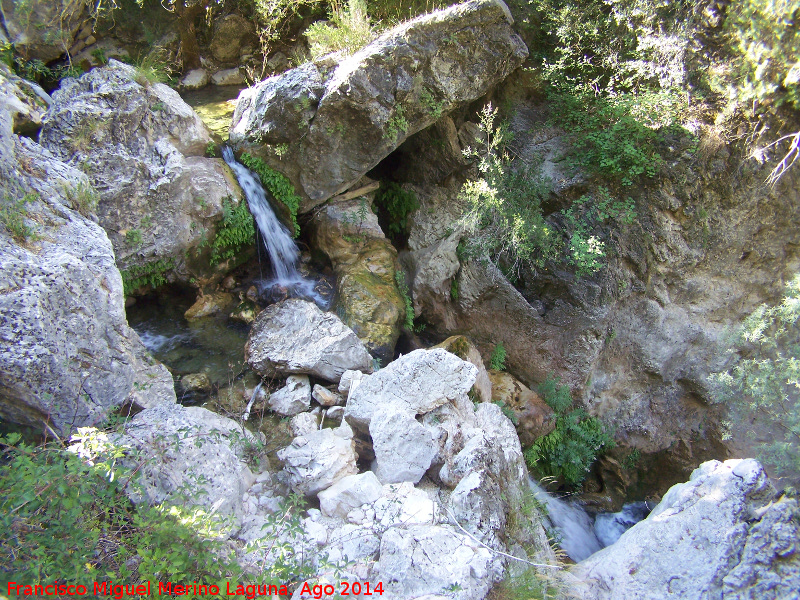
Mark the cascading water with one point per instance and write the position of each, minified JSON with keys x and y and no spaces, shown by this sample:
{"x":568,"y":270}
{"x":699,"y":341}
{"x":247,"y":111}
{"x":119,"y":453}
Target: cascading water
{"x":579,"y":534}
{"x":283,"y":252}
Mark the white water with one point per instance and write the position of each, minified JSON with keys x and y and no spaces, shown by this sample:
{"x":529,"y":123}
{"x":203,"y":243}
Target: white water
{"x":579,"y":534}
{"x":282,"y":250}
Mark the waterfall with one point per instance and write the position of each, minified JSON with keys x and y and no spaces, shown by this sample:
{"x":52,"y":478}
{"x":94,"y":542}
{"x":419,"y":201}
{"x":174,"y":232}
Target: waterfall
{"x":579,"y":534}
{"x":283,"y":252}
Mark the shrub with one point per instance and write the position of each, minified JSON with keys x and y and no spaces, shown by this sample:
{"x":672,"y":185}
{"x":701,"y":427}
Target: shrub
{"x":83,"y":198}
{"x":13,"y":214}
{"x":765,"y":383}
{"x":348,"y":31}
{"x":237,"y":230}
{"x":394,"y":206}
{"x":277,"y":184}
{"x":568,"y":451}
{"x":151,"y":274}
{"x":497,"y":361}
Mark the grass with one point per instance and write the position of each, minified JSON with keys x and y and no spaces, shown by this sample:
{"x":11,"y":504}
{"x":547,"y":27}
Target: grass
{"x":14,"y":214}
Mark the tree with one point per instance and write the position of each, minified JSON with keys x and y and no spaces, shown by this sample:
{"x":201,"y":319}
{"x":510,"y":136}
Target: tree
{"x":187,"y":12}
{"x":765,"y":384}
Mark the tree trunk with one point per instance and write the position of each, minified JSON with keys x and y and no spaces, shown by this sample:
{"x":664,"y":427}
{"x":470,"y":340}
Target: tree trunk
{"x":190,"y":49}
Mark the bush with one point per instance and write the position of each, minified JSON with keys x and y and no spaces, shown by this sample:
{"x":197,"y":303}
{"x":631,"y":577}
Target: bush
{"x":152,"y":274}
{"x":394,"y":205}
{"x":237,"y":230}
{"x":569,"y":451}
{"x":276,"y":184}
{"x":348,"y":31}
{"x":497,"y":361}
{"x":765,"y":383}
{"x":13,"y":214}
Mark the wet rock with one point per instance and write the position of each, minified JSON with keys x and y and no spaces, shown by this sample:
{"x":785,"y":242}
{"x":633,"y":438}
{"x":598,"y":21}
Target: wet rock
{"x":303,"y":424}
{"x":143,"y":149}
{"x":417,"y":383}
{"x":721,"y":534}
{"x":293,"y":398}
{"x":200,"y":454}
{"x":317,"y":460}
{"x":195,"y":79}
{"x":326,"y":397}
{"x":464,"y":349}
{"x":428,"y":559}
{"x":380,"y":96}
{"x":534,"y":417}
{"x":403,"y":447}
{"x":349,"y":493}
{"x":196,"y":383}
{"x":208,"y":304}
{"x":295,"y":336}
{"x":245,"y":312}
{"x":365,"y":262}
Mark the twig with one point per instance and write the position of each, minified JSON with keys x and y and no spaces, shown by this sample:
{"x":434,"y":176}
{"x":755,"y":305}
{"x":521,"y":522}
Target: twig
{"x":527,"y":562}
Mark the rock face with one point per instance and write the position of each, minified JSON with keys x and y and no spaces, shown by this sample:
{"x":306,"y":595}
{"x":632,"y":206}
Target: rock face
{"x":295,"y":337}
{"x":464,"y":349}
{"x":365,"y":263}
{"x":189,"y":448}
{"x":349,"y":493}
{"x":403,"y":447}
{"x":67,"y":354}
{"x":534,"y":417}
{"x":340,"y":121}
{"x":42,"y":29}
{"x":720,"y":535}
{"x":416,"y":383}
{"x":142,"y":147}
{"x":25,"y":101}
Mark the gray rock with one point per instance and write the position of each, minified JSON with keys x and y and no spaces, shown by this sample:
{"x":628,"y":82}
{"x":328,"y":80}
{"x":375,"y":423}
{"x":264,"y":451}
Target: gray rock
{"x":429,"y":559}
{"x":142,"y":147}
{"x":403,"y":447}
{"x":196,"y":382}
{"x":228,"y":77}
{"x":317,"y":460}
{"x":417,"y":382}
{"x":67,"y":355}
{"x":349,"y":381}
{"x":718,"y":535}
{"x":381,"y":95}
{"x":348,"y":493}
{"x":43,"y":29}
{"x":326,"y":397}
{"x":355,"y":542}
{"x":293,"y":398}
{"x":295,"y":336}
{"x":402,"y":505}
{"x":191,"y":457}
{"x":231,"y":32}
{"x":303,"y":424}
{"x":25,"y":101}
{"x":195,"y":79}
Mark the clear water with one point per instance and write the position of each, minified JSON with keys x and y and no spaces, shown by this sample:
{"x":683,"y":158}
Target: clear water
{"x":215,"y":105}
{"x":579,"y":534}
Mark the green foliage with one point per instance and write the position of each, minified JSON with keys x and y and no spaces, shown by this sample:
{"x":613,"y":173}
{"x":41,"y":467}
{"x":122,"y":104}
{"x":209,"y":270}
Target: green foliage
{"x":454,"y":289}
{"x":497,"y":361}
{"x":568,"y":451}
{"x":100,"y":56}
{"x":153,"y":67}
{"x":133,"y":237}
{"x":83,"y":198}
{"x":237,"y":230}
{"x":400,"y":280}
{"x":395,"y":204}
{"x":212,"y":150}
{"x":396,"y":125}
{"x":36,"y":70}
{"x":277,"y":184}
{"x":13,"y":214}
{"x":632,"y":460}
{"x":433,"y":106}
{"x":507,"y":411}
{"x":765,"y":36}
{"x":356,"y":220}
{"x":348,"y":31}
{"x":151,"y":274}
{"x":504,"y":215}
{"x":764,"y":385}
{"x":555,"y":396}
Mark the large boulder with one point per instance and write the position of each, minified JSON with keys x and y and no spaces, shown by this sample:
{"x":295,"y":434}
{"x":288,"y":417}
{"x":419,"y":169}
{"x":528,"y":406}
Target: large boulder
{"x":365,"y":263}
{"x":722,"y":534}
{"x":295,"y":336}
{"x":189,"y":455}
{"x":231,"y":34}
{"x":340,"y":120}
{"x":463,"y":348}
{"x":534,"y":418}
{"x":403,"y":447}
{"x":293,"y":398}
{"x":43,"y":29}
{"x":67,"y":355}
{"x":348,"y":493}
{"x":416,"y":383}
{"x":142,"y":147}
